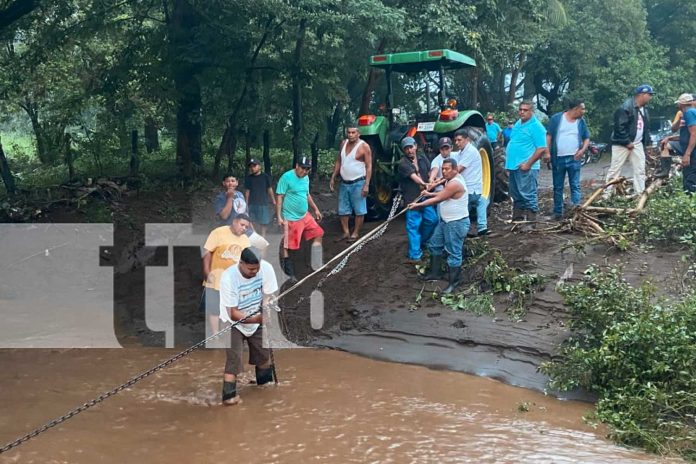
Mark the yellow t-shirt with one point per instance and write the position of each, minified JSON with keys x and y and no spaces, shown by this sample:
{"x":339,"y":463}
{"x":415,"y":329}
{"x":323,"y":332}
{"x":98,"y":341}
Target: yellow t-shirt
{"x":226,"y":249}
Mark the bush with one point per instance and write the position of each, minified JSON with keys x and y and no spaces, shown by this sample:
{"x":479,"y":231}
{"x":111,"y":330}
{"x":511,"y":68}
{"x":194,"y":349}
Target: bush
{"x":638,"y":354}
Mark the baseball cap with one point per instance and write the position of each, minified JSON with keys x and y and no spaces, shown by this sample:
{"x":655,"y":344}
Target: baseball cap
{"x":408,"y":142}
{"x":304,"y":162}
{"x":253,"y":161}
{"x":644,"y":88}
{"x":684,"y":99}
{"x":445,"y":142}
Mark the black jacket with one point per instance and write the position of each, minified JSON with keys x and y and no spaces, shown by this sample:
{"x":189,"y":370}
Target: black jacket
{"x":625,"y":118}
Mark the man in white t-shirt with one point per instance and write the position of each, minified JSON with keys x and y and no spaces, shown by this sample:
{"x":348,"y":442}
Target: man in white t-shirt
{"x":244,"y":287}
{"x":436,"y":163}
{"x":469,"y":162}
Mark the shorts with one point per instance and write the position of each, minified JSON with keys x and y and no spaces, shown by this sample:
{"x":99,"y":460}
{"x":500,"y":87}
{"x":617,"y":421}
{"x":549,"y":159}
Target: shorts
{"x":351,"y":200}
{"x":260,"y":214}
{"x":302,"y":229}
{"x":211,"y":302}
{"x":258,"y":355}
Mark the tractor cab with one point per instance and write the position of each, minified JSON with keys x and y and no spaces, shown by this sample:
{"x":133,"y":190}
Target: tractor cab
{"x":384,"y":131}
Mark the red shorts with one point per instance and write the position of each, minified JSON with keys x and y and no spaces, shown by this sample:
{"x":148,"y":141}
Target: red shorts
{"x":305,"y":228}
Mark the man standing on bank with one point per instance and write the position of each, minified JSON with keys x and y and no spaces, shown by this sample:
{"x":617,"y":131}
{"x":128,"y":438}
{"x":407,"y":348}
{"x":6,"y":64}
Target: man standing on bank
{"x":493,"y":131}
{"x":243,"y":289}
{"x":413,"y":177}
{"x":450,"y":232}
{"x":354,"y":163}
{"x":630,"y":137}
{"x":567,"y":138}
{"x":292,"y":210}
{"x":259,"y":196}
{"x":527,"y":145}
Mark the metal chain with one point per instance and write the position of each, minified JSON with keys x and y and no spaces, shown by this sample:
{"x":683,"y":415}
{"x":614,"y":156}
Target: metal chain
{"x":132,"y":381}
{"x":123,"y":386}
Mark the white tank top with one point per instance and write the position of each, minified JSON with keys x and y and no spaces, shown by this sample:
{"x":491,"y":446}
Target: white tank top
{"x":351,"y":168}
{"x":455,"y":208}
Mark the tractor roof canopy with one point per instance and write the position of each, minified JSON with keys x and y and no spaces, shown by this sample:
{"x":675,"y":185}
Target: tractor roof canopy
{"x":428,"y":60}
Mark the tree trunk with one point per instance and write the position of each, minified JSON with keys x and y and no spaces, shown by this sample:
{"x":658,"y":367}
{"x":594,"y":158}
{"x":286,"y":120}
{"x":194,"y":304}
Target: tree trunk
{"x":6,"y":173}
{"x":297,"y":85}
{"x":188,"y":113}
{"x":315,"y":155}
{"x":247,"y":146}
{"x":42,"y":149}
{"x":151,"y":135}
{"x":267,"y":151}
{"x":230,"y":154}
{"x":473,"y":98}
{"x":332,"y":125}
{"x":134,"y":159}
{"x":231,"y":126}
{"x":69,"y":160}
{"x":372,"y":76}
{"x":512,"y":94}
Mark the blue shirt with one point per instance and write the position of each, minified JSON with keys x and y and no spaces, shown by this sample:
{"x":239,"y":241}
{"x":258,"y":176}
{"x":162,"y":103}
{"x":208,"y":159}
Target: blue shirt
{"x":689,"y":117}
{"x":506,"y":134}
{"x":524,"y":141}
{"x":239,"y":206}
{"x":492,"y":131}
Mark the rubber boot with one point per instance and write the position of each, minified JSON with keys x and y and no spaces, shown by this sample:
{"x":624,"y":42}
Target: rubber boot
{"x":229,"y":394}
{"x":263,"y":376}
{"x":531,"y":217}
{"x":435,"y":271}
{"x":518,"y":214}
{"x":289,"y":269}
{"x":665,"y":167}
{"x":454,"y":275}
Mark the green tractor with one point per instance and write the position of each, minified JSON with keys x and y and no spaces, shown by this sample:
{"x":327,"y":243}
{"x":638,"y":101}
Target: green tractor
{"x":383,"y":133}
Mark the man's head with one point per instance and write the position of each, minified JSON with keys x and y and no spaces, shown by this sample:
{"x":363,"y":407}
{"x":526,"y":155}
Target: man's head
{"x":685,"y":100}
{"x":445,"y":146}
{"x":249,"y":263}
{"x":254,"y":166}
{"x":240,"y":224}
{"x":461,"y":138}
{"x":449,"y":168}
{"x":303,"y":166}
{"x":352,"y":134}
{"x":408,"y":146}
{"x":575,"y":107}
{"x":510,"y":124}
{"x":229,"y":182}
{"x":643,"y":94}
{"x":526,"y":110}
{"x":489,"y":118}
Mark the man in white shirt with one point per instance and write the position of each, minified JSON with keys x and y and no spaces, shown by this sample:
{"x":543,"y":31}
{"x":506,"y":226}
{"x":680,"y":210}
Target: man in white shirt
{"x":469,"y":163}
{"x":436,"y":164}
{"x":243,"y":289}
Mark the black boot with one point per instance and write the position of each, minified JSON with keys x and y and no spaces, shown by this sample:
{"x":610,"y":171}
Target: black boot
{"x":665,"y":167}
{"x":263,"y":376}
{"x":435,"y":271}
{"x":289,"y":269}
{"x":454,"y":275}
{"x":229,"y":393}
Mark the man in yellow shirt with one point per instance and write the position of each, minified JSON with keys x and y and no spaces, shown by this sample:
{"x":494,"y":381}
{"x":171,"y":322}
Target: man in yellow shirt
{"x":223,"y":249}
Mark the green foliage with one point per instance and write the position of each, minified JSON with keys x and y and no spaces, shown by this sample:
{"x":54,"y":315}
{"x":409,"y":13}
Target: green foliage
{"x":520,"y":286}
{"x":638,"y":354}
{"x":668,"y":219}
{"x":480,"y":305}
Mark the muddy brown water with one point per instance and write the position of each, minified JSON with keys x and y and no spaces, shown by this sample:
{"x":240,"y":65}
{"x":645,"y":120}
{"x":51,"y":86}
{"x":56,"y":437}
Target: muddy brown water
{"x":330,"y":406}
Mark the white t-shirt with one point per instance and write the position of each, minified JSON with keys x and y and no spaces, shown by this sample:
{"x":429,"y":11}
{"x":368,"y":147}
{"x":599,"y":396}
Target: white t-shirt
{"x":437,"y":163}
{"x":567,"y":137}
{"x":470,"y":158}
{"x":245,"y":294}
{"x":640,"y":127}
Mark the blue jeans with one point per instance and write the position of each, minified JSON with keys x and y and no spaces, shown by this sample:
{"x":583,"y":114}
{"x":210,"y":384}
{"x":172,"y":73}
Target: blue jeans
{"x":523,"y":189}
{"x":479,"y":203}
{"x":420,"y":224}
{"x":561,"y":166}
{"x":449,"y":237}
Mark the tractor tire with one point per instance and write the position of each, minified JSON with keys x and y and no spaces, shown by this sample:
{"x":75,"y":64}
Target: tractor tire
{"x":382,"y":185}
{"x":488,"y":166}
{"x":502,"y":179}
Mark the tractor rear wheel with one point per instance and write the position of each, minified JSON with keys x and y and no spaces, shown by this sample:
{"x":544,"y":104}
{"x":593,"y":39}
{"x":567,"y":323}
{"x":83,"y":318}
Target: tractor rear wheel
{"x":502,"y":180}
{"x":379,"y":200}
{"x":483,"y":146}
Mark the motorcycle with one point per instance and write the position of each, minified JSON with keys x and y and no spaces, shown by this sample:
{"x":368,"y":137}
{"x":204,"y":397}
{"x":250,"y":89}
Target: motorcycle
{"x":594,"y":152}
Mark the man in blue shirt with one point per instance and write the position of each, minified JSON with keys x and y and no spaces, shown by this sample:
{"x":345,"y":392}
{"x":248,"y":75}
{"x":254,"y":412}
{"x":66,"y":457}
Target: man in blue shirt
{"x":527,"y":145}
{"x":506,"y":133}
{"x":686,"y":141}
{"x":493,"y":131}
{"x":567,"y":139}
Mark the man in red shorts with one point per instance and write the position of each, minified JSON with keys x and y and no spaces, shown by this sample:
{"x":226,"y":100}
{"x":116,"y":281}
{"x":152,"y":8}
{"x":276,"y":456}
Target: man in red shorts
{"x":292,"y":209}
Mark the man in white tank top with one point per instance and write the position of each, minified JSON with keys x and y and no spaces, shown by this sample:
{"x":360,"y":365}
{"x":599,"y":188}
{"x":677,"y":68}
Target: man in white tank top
{"x":354,"y":164}
{"x":450,"y":232}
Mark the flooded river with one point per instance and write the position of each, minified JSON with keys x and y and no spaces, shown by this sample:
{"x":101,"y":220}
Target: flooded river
{"x":330,"y":407}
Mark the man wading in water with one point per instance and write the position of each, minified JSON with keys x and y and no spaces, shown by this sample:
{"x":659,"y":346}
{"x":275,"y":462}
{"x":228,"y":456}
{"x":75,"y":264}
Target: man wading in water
{"x":243,"y":287}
